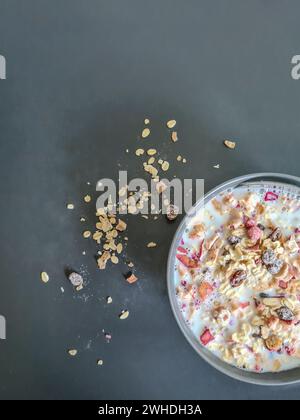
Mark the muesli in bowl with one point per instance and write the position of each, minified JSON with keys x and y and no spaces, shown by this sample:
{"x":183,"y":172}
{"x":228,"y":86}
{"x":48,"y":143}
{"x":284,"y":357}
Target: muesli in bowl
{"x":236,"y":276}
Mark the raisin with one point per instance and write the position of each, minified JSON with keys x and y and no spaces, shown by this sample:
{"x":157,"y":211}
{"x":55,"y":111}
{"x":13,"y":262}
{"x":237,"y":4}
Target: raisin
{"x":275,"y":267}
{"x":260,"y":226}
{"x":285,"y":314}
{"x":275,"y":235}
{"x":268,"y":257}
{"x":172,"y":212}
{"x":233,"y":240}
{"x":237,"y":278}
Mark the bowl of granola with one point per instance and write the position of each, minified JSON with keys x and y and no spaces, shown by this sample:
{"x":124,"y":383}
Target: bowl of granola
{"x":234,"y":278}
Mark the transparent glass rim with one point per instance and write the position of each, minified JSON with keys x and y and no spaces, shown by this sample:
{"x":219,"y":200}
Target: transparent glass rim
{"x":270,"y":379}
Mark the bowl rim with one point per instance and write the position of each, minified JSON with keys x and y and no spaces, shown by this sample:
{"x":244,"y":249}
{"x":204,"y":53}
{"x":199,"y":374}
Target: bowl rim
{"x":266,"y":379}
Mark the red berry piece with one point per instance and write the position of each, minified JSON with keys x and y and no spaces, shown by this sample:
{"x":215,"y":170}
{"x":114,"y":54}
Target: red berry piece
{"x":206,"y":337}
{"x":254,"y":233}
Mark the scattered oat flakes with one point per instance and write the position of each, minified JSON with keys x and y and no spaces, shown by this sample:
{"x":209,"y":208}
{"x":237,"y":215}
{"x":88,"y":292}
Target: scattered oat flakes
{"x":151,"y":245}
{"x":139,"y":152}
{"x":151,"y":170}
{"x":174,"y":136}
{"x":151,"y":152}
{"x":171,"y":123}
{"x":145,"y":133}
{"x":72,"y":352}
{"x":86,"y":234}
{"x":44,"y":277}
{"x":146,"y":121}
{"x":179,"y":158}
{"x":184,"y":160}
{"x":87,"y":198}
{"x":124,"y":314}
{"x":230,"y":144}
{"x":165,"y":166}
{"x":109,"y":299}
{"x":121,"y":226}
{"x":103,"y":260}
{"x":151,"y":161}
{"x":99,"y":362}
{"x":70,"y":206}
{"x":114,"y":259}
{"x":119,"y":248}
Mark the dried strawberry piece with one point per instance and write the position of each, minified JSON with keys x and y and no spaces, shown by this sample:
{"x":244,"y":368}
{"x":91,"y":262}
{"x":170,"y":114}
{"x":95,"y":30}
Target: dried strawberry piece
{"x":244,"y":305}
{"x":237,"y":278}
{"x":188,"y":262}
{"x":270,"y":196}
{"x":250,"y":223}
{"x":290,"y":350}
{"x":204,"y":290}
{"x":282,"y":284}
{"x":182,"y":250}
{"x":254,"y":233}
{"x":206,"y":337}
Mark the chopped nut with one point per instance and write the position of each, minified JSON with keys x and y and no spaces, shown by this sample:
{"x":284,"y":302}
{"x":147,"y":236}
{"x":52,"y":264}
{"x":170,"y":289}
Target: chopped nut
{"x":72,"y":352}
{"x":121,"y":226}
{"x":229,"y":144}
{"x":151,"y":245}
{"x":217,"y":166}
{"x":70,"y":206}
{"x":44,"y":277}
{"x":139,"y":152}
{"x":103,"y":260}
{"x":171,"y":123}
{"x":130,"y":264}
{"x":86,"y":234}
{"x":151,"y":152}
{"x":87,"y":198}
{"x":78,"y":288}
{"x":124,"y":314}
{"x":165,"y":166}
{"x":174,"y":136}
{"x":145,"y":133}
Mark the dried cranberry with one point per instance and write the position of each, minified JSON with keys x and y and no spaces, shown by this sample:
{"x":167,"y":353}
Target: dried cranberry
{"x":275,"y":235}
{"x":285,"y":314}
{"x":237,"y":278}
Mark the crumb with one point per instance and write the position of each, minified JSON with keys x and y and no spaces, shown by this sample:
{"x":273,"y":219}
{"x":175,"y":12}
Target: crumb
{"x":139,"y":152}
{"x":70,"y":206}
{"x":87,"y":198}
{"x":44,"y":277}
{"x":171,"y":123}
{"x":151,"y":245}
{"x":109,"y":299}
{"x":217,"y":166}
{"x":72,"y":352}
{"x":145,"y":133}
{"x":146,"y":121}
{"x":230,"y":144}
{"x":99,"y":362}
{"x":124,"y":314}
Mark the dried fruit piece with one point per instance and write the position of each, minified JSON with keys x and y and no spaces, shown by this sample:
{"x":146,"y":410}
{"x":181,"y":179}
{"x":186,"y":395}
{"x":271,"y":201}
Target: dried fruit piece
{"x":254,"y":233}
{"x":174,"y":136}
{"x":273,"y":343}
{"x":285,"y":314}
{"x":124,"y":314}
{"x":44,"y":277}
{"x":268,"y":257}
{"x":275,"y":235}
{"x":76,"y":279}
{"x":230,"y":144}
{"x":204,"y":290}
{"x":233,"y":240}
{"x":275,"y":267}
{"x":206,"y":337}
{"x":249,"y":223}
{"x":270,"y":196}
{"x":171,"y":123}
{"x":237,"y":278}
{"x":172,"y":212}
{"x":72,"y":352}
{"x":187,"y":261}
{"x":145,"y":133}
{"x":131,"y":278}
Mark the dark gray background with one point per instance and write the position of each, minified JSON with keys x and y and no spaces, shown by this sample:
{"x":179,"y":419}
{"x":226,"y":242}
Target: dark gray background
{"x":81,"y":77}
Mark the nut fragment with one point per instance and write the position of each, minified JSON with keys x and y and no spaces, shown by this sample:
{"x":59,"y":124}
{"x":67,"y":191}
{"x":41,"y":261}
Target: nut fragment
{"x":237,"y":278}
{"x":230,"y":144}
{"x":171,"y":123}
{"x":72,"y":352}
{"x":151,"y":245}
{"x":76,"y":279}
{"x":87,"y":198}
{"x":131,"y":278}
{"x":124,"y":314}
{"x":44,"y":277}
{"x":145,"y":133}
{"x":273,"y":343}
{"x":174,"y":136}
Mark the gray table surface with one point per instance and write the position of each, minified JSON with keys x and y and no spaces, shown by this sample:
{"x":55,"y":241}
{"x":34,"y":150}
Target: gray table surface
{"x":81,"y":77}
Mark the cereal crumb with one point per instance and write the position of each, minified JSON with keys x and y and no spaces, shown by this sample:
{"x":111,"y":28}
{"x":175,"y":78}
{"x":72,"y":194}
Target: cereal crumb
{"x":179,"y":158}
{"x":230,"y":144}
{"x":151,"y":245}
{"x":44,"y":277}
{"x":217,"y":166}
{"x":70,"y":206}
{"x":124,"y":314}
{"x":99,"y":362}
{"x":131,"y":278}
{"x":146,"y":121}
{"x":82,"y":219}
{"x":165,"y":166}
{"x":109,"y":299}
{"x":87,"y":198}
{"x":86,"y":234}
{"x":184,"y":160}
{"x":145,"y":133}
{"x":171,"y":123}
{"x":72,"y":352}
{"x":139,"y":152}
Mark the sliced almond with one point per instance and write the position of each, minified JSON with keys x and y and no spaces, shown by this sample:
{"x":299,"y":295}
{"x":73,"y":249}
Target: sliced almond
{"x":44,"y":277}
{"x":230,"y":144}
{"x":145,"y":133}
{"x":171,"y":123}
